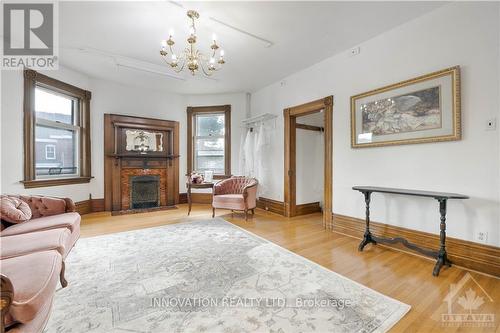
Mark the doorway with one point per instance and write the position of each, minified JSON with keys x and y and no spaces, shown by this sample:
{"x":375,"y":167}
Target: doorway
{"x":290,"y":172}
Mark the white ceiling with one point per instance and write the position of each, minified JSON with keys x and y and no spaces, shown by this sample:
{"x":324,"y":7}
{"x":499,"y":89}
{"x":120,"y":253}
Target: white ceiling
{"x":96,"y":36}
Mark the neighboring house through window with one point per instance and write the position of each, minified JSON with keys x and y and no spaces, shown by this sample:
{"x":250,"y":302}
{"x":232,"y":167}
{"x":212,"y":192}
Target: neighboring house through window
{"x":57,"y":132}
{"x":209,"y":139}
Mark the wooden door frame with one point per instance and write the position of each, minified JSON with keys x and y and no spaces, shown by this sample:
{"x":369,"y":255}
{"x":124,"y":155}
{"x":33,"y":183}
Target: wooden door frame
{"x":290,"y":115}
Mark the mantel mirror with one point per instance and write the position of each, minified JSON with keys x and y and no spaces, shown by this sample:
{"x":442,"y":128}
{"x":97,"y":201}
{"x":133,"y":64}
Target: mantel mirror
{"x":141,"y":141}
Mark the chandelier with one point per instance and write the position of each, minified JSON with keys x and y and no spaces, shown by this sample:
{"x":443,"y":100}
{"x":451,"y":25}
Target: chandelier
{"x":192,"y":58}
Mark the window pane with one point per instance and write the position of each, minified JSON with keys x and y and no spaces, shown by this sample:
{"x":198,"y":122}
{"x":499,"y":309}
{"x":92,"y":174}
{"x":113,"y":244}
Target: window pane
{"x":55,"y":107}
{"x":213,"y":163}
{"x":55,"y":152}
{"x":210,"y":125}
{"x":209,"y":155}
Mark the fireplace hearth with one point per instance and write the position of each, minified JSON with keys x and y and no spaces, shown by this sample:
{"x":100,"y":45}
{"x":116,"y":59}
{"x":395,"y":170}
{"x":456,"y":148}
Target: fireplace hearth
{"x":144,"y":191}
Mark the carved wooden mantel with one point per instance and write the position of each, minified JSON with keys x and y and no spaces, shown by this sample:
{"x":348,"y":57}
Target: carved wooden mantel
{"x":120,"y":164}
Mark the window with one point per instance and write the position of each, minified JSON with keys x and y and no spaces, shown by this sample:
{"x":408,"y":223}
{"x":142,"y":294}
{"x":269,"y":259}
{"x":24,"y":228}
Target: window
{"x":57,"y":122}
{"x":57,"y":133}
{"x":50,"y":152}
{"x":209,"y":130}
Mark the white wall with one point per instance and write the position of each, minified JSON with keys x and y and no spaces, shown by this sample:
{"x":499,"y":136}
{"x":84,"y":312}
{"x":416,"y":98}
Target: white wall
{"x":309,"y":166}
{"x":464,"y":34}
{"x":107,"y":97}
{"x":498,"y":103}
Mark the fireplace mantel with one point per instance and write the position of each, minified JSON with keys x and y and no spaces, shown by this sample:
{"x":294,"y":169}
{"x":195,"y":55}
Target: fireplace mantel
{"x":120,"y":164}
{"x":143,"y":156}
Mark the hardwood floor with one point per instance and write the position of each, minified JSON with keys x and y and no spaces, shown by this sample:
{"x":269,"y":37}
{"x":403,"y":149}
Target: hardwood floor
{"x":396,"y":274}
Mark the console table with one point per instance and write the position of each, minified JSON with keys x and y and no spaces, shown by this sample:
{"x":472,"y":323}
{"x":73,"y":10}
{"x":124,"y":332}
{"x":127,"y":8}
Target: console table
{"x":441,"y":197}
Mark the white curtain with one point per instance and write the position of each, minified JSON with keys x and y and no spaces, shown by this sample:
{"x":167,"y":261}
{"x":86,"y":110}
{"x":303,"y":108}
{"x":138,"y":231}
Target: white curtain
{"x":253,"y":151}
{"x":241,"y":155}
{"x":248,"y":150}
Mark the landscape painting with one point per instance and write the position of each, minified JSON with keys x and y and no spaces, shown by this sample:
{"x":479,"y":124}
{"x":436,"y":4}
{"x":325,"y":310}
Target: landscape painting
{"x":420,"y":110}
{"x":423,"y":109}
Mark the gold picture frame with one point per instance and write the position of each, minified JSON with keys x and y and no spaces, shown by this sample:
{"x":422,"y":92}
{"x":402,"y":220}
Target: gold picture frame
{"x":444,"y":88}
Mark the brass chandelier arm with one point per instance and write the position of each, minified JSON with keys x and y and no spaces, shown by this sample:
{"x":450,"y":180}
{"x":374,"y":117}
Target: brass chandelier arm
{"x":176,"y":68}
{"x":192,"y":58}
{"x":208,"y":71}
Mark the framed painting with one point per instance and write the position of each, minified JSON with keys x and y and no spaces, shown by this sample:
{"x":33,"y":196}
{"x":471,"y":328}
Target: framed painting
{"x":420,"y":110}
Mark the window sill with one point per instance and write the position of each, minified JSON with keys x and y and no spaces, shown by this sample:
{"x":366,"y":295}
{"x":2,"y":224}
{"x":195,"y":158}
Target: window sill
{"x":54,"y":182}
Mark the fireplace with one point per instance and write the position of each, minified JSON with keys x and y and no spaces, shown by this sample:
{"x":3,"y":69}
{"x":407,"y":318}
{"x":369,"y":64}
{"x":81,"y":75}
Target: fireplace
{"x":144,"y":191}
{"x":144,"y":175}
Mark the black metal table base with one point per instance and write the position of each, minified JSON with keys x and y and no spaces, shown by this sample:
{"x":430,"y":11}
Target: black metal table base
{"x":367,"y":239}
{"x":441,"y":256}
{"x":441,"y":259}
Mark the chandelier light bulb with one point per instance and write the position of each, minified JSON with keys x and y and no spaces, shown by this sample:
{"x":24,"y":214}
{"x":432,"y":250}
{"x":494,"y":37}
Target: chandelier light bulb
{"x":174,"y":57}
{"x":221,"y":53}
{"x":214,"y":37}
{"x":191,"y":30}
{"x":163,"y":44}
{"x":171,"y":33}
{"x":212,"y":60}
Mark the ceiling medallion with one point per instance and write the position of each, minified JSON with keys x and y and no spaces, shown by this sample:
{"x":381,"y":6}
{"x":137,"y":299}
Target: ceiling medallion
{"x":192,"y":58}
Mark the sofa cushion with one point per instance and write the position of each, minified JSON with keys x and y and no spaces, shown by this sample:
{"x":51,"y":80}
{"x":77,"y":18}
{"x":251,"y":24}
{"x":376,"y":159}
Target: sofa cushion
{"x":34,"y":278}
{"x":54,"y":239}
{"x":14,"y":210}
{"x":44,"y":206}
{"x":66,"y":220}
{"x":229,"y":201}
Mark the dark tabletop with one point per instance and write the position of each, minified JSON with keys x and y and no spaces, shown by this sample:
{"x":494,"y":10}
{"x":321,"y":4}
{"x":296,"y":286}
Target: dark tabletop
{"x":403,"y":191}
{"x":200,"y":185}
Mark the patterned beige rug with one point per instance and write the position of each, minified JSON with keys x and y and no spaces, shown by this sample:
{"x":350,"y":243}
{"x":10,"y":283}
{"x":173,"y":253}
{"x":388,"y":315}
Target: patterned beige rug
{"x":209,"y":276}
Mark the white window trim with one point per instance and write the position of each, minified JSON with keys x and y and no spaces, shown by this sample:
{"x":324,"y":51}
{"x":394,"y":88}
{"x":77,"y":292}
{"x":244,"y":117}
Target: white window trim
{"x":47,"y":152}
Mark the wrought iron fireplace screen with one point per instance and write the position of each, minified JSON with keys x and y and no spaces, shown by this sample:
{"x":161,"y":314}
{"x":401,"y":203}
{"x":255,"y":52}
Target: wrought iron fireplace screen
{"x":144,"y":192}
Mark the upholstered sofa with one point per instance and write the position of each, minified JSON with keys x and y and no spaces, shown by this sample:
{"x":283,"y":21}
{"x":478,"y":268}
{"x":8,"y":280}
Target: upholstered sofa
{"x":235,"y":193}
{"x":36,"y":236}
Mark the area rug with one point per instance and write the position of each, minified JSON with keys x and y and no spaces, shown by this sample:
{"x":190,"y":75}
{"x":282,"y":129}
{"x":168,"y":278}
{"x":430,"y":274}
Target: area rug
{"x":209,"y":276}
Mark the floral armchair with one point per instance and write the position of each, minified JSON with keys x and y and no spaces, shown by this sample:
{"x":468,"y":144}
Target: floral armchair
{"x":235,"y":193}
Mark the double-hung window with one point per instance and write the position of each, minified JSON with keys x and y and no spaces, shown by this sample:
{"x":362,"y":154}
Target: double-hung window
{"x":209,"y":130}
{"x":57,"y":129}
{"x":57,"y":142}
